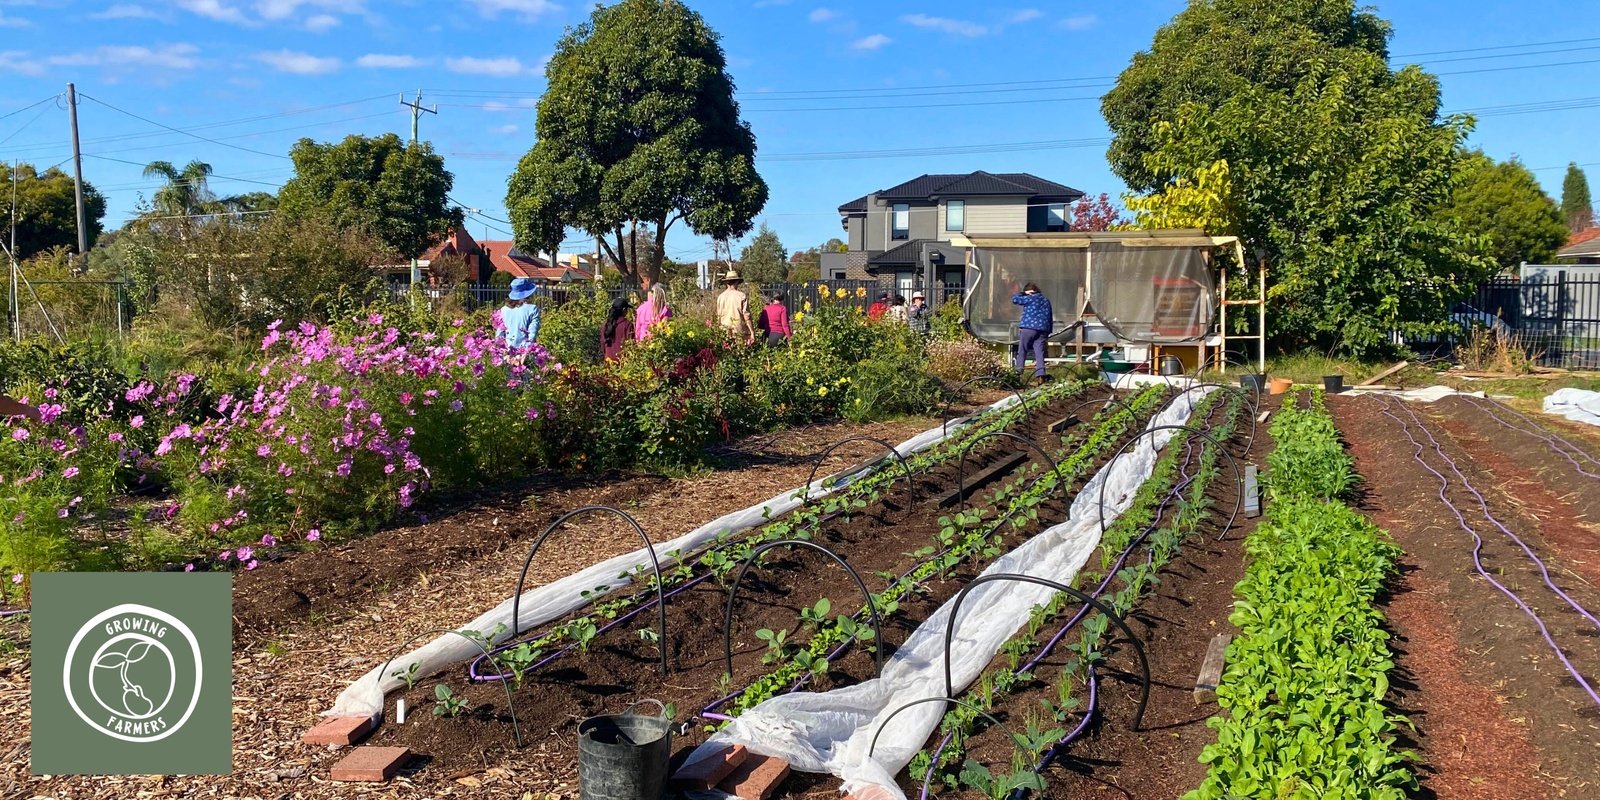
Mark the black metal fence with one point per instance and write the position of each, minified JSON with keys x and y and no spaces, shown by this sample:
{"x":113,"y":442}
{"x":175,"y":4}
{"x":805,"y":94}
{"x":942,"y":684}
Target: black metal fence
{"x":1554,"y":315}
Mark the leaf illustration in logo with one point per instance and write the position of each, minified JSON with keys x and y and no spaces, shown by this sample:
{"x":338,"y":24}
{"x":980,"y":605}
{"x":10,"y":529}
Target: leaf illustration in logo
{"x":137,"y":651}
{"x":135,"y":702}
{"x":110,"y":661}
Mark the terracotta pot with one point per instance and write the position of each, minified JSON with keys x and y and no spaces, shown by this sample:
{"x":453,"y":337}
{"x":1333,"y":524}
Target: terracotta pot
{"x":1281,"y":385}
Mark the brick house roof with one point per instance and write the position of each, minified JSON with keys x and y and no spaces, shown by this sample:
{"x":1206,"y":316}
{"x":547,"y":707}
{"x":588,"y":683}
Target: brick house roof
{"x":505,"y":257}
{"x":1583,"y":243}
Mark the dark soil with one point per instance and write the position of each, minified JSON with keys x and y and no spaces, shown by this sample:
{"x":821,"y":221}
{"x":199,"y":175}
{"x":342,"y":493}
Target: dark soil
{"x":620,"y":667}
{"x":1496,"y":714}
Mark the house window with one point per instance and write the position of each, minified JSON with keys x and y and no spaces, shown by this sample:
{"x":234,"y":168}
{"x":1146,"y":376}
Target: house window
{"x":902,"y":221}
{"x":955,"y":215}
{"x":904,"y":280}
{"x":1056,"y":217}
{"x":838,"y":275}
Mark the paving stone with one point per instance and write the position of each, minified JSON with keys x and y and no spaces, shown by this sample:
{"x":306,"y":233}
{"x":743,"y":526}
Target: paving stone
{"x":756,"y":779}
{"x":371,"y":764}
{"x":709,"y":771}
{"x":338,"y":730}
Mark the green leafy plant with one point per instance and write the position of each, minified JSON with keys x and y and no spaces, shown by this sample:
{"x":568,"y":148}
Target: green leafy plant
{"x":447,"y":703}
{"x":409,"y":675}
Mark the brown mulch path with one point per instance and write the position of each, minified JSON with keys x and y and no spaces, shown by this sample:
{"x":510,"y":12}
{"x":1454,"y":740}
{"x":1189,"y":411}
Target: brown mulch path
{"x":1496,"y":714}
{"x":277,"y":697}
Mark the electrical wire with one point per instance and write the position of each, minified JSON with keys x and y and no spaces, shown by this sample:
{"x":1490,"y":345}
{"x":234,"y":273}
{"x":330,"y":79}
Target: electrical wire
{"x":11,"y":114}
{"x":210,"y":177}
{"x":181,"y":131}
{"x":25,"y":125}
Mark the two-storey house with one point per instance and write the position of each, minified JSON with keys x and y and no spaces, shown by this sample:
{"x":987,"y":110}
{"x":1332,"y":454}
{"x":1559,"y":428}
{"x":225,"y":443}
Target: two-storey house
{"x":901,"y":235}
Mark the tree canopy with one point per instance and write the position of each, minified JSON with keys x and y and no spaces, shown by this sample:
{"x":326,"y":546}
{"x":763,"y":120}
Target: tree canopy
{"x":1576,"y":205}
{"x":764,"y":260}
{"x":1282,"y":121}
{"x":185,"y":191}
{"x":399,"y":192}
{"x":46,"y":211}
{"x":1505,"y":202}
{"x":638,"y":125}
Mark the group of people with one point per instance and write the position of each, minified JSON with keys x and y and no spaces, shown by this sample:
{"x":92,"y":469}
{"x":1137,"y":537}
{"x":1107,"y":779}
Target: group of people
{"x":918,"y":316}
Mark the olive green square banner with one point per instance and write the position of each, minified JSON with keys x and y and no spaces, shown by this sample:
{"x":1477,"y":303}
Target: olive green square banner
{"x":132,"y":673}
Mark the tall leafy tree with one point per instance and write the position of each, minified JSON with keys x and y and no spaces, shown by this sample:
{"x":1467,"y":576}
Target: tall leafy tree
{"x":764,"y":260}
{"x":46,"y":211}
{"x":1576,"y":205}
{"x":1328,"y":162}
{"x":185,"y":191}
{"x":400,"y":192}
{"x":1505,"y":202}
{"x":638,"y":125}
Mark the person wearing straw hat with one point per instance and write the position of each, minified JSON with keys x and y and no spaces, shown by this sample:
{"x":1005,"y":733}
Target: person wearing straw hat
{"x":733,"y":308}
{"x":920,"y":317}
{"x":518,"y":320}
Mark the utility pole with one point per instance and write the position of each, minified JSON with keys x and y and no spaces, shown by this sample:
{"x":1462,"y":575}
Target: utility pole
{"x":416,"y":114}
{"x":16,"y":304}
{"x":77,"y":173}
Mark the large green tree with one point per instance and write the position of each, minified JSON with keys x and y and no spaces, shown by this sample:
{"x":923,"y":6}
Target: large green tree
{"x":1505,"y":202}
{"x":1576,"y":205}
{"x":1334,"y":163}
{"x":764,"y":260}
{"x":184,"y":191}
{"x":46,"y":211}
{"x":399,"y":192}
{"x":638,"y":126}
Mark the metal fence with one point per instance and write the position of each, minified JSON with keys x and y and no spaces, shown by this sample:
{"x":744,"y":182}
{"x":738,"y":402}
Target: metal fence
{"x":1554,"y":315}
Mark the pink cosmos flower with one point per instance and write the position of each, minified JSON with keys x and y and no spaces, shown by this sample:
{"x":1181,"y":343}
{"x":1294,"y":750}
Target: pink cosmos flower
{"x":264,"y":450}
{"x":268,"y":541}
{"x":244,"y":553}
{"x":188,"y":567}
{"x":69,"y":472}
{"x":21,"y":434}
{"x":251,"y":565}
{"x":223,"y":556}
{"x":114,"y":437}
{"x":137,"y":421}
{"x":16,"y":578}
{"x":313,"y":535}
{"x":62,"y":513}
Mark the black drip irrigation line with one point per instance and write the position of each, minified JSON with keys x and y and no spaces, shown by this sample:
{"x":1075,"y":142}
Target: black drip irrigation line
{"x":1223,"y":362}
{"x":911,"y":489}
{"x":1477,"y":548}
{"x":1249,"y":442}
{"x":516,"y":729}
{"x":1238,"y":475}
{"x":945,"y":414}
{"x":733,"y":596}
{"x":516,"y":599}
{"x":946,"y":700}
{"x":961,"y":460}
{"x":1553,"y":440}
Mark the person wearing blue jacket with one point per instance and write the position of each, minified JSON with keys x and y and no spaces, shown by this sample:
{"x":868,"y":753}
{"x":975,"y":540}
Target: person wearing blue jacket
{"x":1038,"y":322}
{"x":519,"y":319}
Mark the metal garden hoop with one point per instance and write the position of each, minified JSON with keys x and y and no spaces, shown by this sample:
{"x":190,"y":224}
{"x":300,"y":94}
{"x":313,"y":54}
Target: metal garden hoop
{"x":961,"y":460}
{"x":1238,"y":503}
{"x":905,"y":469}
{"x":516,"y":730}
{"x":944,"y":416}
{"x":733,"y":596}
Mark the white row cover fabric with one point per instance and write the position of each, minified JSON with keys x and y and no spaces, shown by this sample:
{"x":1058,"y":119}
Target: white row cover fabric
{"x":1578,"y":405}
{"x":555,"y":600}
{"x":832,"y":731}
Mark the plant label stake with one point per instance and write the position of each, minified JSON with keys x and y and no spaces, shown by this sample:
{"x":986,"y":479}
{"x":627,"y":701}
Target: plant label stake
{"x":400,"y":711}
{"x":1252,"y":492}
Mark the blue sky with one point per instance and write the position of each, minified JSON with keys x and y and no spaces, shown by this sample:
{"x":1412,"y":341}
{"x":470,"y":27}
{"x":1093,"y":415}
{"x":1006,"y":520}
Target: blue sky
{"x":845,"y":97}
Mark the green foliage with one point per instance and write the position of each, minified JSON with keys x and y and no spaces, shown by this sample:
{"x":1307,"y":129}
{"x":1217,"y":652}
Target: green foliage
{"x":1308,"y":460}
{"x":183,"y":191}
{"x":447,"y":703}
{"x":571,"y":331}
{"x":764,"y":260}
{"x":46,"y":209}
{"x":397,"y":191}
{"x":638,"y":124}
{"x":1335,"y":163}
{"x":1505,"y":202}
{"x":1576,"y":205}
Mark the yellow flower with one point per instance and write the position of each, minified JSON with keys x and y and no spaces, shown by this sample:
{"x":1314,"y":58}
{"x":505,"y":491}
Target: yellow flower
{"x":800,"y":316}
{"x":861,"y":291}
{"x":811,"y":382}
{"x":822,"y":291}
{"x":823,"y":392}
{"x":806,"y":306}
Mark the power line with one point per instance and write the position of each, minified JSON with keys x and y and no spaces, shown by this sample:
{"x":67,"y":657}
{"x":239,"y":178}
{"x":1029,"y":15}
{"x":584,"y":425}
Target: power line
{"x":180,"y":183}
{"x":1496,"y":47}
{"x":11,"y":114}
{"x":25,"y":125}
{"x":184,"y":132}
{"x":1522,"y":66}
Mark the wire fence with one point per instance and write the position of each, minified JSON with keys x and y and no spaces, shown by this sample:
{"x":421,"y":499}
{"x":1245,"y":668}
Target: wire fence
{"x":60,"y":310}
{"x":1554,"y":313}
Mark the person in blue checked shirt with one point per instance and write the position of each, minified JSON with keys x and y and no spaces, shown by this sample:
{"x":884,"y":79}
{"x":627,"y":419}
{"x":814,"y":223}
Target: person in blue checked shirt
{"x":1036,"y":326}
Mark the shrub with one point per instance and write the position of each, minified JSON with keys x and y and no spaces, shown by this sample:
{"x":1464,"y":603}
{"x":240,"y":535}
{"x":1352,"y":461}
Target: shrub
{"x":961,"y":360}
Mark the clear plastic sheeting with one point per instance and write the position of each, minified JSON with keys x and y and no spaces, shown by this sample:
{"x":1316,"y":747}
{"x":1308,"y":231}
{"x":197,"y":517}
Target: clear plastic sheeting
{"x":998,"y":273}
{"x":1157,"y":294}
{"x":557,"y":599}
{"x":832,"y":731}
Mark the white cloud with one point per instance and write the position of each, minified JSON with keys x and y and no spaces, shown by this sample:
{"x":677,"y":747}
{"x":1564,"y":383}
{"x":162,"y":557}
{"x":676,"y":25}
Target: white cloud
{"x":297,"y":63}
{"x":1078,"y":23}
{"x":503,"y":67}
{"x":380,"y":61}
{"x":215,"y":9}
{"x":526,"y":102}
{"x":12,"y":22}
{"x":1025,"y":15}
{"x":322,"y":23}
{"x":959,"y":27}
{"x":283,"y":9}
{"x":504,"y":130}
{"x":172,"y":56}
{"x":20,"y":62}
{"x":822,"y":15}
{"x":872,"y":42}
{"x":527,"y":9}
{"x":122,"y":11}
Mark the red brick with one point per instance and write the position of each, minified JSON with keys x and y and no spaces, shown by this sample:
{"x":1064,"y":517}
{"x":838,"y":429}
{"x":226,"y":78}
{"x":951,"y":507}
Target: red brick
{"x":371,"y":764}
{"x":338,"y":730}
{"x":709,"y":771}
{"x":756,"y":779}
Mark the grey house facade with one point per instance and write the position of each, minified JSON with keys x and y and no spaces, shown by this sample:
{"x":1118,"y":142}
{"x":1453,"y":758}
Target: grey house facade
{"x":901,"y":235}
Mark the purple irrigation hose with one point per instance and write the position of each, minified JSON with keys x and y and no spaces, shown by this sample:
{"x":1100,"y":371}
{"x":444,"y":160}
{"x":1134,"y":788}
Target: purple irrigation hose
{"x":1088,"y":714}
{"x":1551,"y":440}
{"x":1477,"y":550}
{"x":13,"y":612}
{"x":1484,"y":505}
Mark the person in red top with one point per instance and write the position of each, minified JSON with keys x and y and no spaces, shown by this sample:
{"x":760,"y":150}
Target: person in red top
{"x":617,"y":330}
{"x":774,"y":321}
{"x":878,"y":309}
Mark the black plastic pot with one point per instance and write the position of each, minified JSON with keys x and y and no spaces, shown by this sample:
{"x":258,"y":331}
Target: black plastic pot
{"x":1254,"y":382}
{"x":1171,"y":365}
{"x":1333,"y":384}
{"x":624,"y":756}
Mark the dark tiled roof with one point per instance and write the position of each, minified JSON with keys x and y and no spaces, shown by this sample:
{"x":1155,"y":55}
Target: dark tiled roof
{"x":972,"y":183}
{"x":858,"y":205}
{"x":906,"y":253}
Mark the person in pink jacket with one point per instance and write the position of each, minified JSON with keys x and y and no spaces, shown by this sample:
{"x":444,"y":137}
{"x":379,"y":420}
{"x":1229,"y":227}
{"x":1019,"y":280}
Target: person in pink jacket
{"x":774,"y":321}
{"x":653,"y":310}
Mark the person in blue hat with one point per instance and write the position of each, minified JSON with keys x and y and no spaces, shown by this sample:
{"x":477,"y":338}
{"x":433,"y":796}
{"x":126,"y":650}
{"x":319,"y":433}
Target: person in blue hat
{"x":519,"y":318}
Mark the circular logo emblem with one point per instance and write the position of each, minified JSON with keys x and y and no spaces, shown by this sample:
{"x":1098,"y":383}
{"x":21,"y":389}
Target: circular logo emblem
{"x":133,"y":673}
